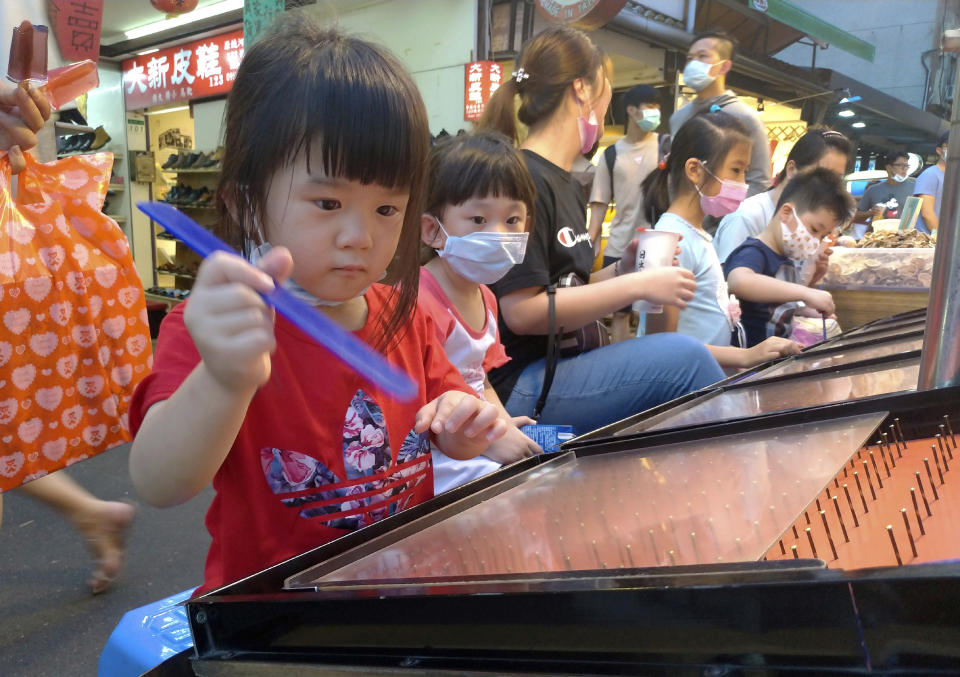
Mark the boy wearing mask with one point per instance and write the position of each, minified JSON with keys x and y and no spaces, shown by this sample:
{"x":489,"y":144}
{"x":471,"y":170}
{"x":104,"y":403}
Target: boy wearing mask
{"x":620,"y":171}
{"x":762,"y":271}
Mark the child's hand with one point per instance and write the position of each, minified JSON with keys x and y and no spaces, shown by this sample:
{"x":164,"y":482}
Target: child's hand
{"x":819,"y":300}
{"x":520,"y":421}
{"x":670,"y":286}
{"x":512,"y":447}
{"x":229,"y":322}
{"x":463,"y":424}
{"x":771,"y":349}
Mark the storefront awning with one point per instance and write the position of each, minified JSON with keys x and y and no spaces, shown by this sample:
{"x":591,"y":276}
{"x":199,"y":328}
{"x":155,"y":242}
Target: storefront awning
{"x":767,"y":26}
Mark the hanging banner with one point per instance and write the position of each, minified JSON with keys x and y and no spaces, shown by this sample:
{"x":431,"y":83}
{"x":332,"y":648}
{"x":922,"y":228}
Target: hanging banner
{"x":76,"y":26}
{"x":192,"y":71}
{"x":481,"y":80}
{"x":258,"y":15}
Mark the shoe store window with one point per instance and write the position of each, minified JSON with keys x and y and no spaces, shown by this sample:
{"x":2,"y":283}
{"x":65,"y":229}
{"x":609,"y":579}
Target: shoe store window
{"x":188,"y":162}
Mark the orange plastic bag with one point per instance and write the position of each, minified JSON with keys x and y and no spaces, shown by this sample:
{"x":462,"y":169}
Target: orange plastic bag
{"x":74,"y":336}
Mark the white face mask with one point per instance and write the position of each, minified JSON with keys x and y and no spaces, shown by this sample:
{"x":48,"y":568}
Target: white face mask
{"x":292,"y":286}
{"x":482,"y":257}
{"x":696,"y":74}
{"x":799,"y":244}
{"x":899,"y":178}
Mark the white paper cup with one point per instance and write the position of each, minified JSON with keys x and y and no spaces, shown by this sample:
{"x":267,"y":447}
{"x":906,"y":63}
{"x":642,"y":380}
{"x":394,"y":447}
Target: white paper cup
{"x":655,"y":249}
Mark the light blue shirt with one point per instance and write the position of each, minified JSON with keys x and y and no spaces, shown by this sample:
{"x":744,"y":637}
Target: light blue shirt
{"x":930,"y":182}
{"x":705,"y":317}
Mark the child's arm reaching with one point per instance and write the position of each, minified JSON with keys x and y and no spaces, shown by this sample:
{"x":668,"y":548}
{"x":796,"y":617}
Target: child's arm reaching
{"x":232,"y":329}
{"x":463,"y":425}
{"x":749,"y":285}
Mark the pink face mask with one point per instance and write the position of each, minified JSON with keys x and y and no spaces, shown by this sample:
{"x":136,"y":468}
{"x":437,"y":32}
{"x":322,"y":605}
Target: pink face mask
{"x":726,"y":201}
{"x":589,"y":128}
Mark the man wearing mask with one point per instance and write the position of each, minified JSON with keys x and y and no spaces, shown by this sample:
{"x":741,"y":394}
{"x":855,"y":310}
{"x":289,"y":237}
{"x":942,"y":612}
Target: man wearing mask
{"x":709,"y":60}
{"x":929,"y":188}
{"x":620,"y":171}
{"x":877,"y":200}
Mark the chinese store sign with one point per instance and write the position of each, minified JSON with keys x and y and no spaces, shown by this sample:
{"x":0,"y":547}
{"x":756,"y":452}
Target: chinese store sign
{"x":192,"y":71}
{"x":76,"y":25}
{"x":482,"y":79}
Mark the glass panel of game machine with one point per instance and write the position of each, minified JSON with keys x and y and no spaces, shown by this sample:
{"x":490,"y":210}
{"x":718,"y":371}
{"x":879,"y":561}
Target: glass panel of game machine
{"x":854,"y":339}
{"x":810,"y":361}
{"x":725,"y":499}
{"x":767,"y":398}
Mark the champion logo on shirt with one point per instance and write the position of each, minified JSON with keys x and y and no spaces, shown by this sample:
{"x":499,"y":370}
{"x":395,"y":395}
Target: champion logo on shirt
{"x":374,"y":486}
{"x":568,"y":237}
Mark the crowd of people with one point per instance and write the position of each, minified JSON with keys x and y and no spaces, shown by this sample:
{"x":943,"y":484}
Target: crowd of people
{"x":470,"y":265}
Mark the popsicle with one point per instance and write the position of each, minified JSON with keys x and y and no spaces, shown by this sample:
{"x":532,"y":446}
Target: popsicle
{"x":28,"y":53}
{"x":352,"y":351}
{"x":68,"y":82}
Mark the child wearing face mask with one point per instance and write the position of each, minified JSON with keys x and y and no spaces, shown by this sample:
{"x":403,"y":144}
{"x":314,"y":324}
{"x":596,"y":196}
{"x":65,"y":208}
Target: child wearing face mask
{"x":705,"y":175}
{"x":761,"y":271}
{"x":475,"y":228}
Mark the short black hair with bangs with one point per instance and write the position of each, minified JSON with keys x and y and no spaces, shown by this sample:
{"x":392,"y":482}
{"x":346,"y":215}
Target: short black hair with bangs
{"x":303,"y":83}
{"x":481,"y":164}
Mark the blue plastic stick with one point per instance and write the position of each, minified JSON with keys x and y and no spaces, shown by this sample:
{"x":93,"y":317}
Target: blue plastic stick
{"x":351,"y":350}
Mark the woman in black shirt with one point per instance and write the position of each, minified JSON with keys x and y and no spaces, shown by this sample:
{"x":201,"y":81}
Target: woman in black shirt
{"x":563,"y":89}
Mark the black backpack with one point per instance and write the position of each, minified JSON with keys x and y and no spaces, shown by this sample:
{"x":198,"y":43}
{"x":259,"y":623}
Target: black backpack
{"x":610,"y":155}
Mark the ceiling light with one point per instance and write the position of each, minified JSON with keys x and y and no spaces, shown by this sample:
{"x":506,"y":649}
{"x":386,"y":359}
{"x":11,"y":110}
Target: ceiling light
{"x":859,"y":125}
{"x":850,"y":99}
{"x":191,"y":17}
{"x":846,"y":113}
{"x":167,"y":110}
{"x":148,"y":51}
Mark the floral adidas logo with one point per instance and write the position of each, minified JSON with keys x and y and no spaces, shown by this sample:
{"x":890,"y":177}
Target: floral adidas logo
{"x":374,"y":487}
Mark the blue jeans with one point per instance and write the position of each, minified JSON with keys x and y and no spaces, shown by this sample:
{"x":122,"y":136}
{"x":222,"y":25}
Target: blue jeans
{"x":611,"y":383}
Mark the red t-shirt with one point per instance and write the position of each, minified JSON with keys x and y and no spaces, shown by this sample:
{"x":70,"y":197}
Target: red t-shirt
{"x":474,"y":353}
{"x":320,"y":453}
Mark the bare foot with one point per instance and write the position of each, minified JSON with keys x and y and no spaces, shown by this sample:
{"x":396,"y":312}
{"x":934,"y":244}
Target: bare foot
{"x":105,"y":530}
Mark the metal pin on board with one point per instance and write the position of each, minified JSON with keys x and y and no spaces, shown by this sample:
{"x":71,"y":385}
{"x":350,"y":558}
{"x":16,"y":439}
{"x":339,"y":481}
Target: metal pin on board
{"x":916,"y":510}
{"x":630,"y":556}
{"x":893,"y":542}
{"x":793,"y":549}
{"x":893,"y":461}
{"x":906,"y":523}
{"x":713,"y":532}
{"x":827,"y":491}
{"x":846,"y":491}
{"x":893,"y":435}
{"x":807,"y":516}
{"x":873,"y":460}
{"x":903,"y":440}
{"x":597,"y":555}
{"x":795,"y":534}
{"x":933,"y":487}
{"x":953,"y":439}
{"x":843,"y":527}
{"x":673,"y":560}
{"x":886,"y":442}
{"x":942,"y":446}
{"x":783,"y":551}
{"x":886,"y":466}
{"x":866,"y":473}
{"x":739,"y":547}
{"x":923,"y":494}
{"x":860,"y":489}
{"x":818,"y":505}
{"x":836,"y":480}
{"x":826,"y":526}
{"x":693,"y":540}
{"x":653,"y":541}
{"x":936,"y":460}
{"x":813,"y":547}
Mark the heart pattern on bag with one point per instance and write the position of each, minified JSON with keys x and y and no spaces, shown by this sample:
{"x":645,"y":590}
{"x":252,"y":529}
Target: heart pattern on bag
{"x":68,"y":369}
{"x":375,"y":484}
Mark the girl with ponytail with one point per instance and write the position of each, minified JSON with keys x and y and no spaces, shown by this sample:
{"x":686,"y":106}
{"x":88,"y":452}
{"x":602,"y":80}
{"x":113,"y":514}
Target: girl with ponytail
{"x":560,"y":92}
{"x":704,"y":175}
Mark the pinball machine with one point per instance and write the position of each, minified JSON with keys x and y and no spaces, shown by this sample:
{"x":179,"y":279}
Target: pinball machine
{"x":801,"y":518}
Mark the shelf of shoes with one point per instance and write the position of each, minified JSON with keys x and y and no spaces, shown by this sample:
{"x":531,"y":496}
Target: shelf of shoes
{"x":72,"y":141}
{"x":193,"y":162}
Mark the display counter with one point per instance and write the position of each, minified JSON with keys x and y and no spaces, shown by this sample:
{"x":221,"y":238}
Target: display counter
{"x":871,"y":283}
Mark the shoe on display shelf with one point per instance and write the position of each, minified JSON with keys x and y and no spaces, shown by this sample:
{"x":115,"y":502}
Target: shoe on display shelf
{"x":100,"y":138}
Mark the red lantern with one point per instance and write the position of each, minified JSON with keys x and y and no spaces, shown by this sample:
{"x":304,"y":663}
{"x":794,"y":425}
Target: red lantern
{"x":174,"y":7}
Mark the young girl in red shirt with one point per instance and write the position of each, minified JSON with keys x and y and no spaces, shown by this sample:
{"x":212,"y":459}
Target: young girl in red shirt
{"x":325,"y":148}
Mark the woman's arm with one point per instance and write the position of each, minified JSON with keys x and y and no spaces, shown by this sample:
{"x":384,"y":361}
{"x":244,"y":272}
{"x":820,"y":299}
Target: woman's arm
{"x":526,"y":310}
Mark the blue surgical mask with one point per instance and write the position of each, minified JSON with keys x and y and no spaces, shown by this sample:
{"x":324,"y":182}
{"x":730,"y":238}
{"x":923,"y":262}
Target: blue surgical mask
{"x":650,"y":119}
{"x":482,"y":257}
